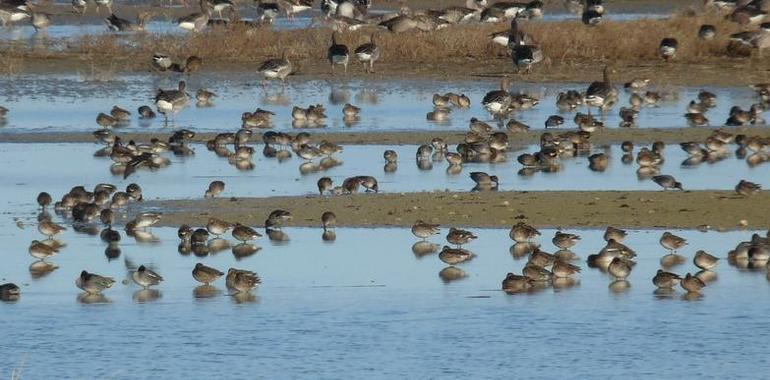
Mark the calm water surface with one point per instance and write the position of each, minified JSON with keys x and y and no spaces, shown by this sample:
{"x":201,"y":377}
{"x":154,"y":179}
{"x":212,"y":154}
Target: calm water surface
{"x":69,"y":103}
{"x":366,"y":305}
{"x":57,"y":167}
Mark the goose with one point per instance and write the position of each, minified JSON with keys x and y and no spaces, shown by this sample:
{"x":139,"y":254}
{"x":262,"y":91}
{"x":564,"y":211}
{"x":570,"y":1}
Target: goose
{"x":11,"y":13}
{"x":509,"y":9}
{"x":267,"y":12}
{"x":221,"y":5}
{"x":591,"y":17}
{"x":40,"y":20}
{"x":524,"y":56}
{"x":103,"y":3}
{"x":497,"y":102}
{"x":668,"y":47}
{"x":601,"y":94}
{"x":80,"y":6}
{"x":368,"y":53}
{"x":290,"y":7}
{"x":171,"y":101}
{"x":117,"y":24}
{"x":338,"y":54}
{"x":196,"y":22}
{"x":276,"y":68}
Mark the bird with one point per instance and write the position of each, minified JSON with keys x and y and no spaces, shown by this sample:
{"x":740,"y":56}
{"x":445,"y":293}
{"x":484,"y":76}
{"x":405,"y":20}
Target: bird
{"x":523,"y":55}
{"x":564,"y":240}
{"x":338,"y":54}
{"x":44,"y":199}
{"x":459,"y":237}
{"x":215,"y":188}
{"x":93,"y":283}
{"x":692,"y":284}
{"x":666,"y":280}
{"x":117,"y":24}
{"x":522,"y":233}
{"x":516,"y":283}
{"x":49,"y":228}
{"x":325,"y":185}
{"x":245,"y":233}
{"x":42,"y":251}
{"x":171,"y":101}
{"x":9,"y":292}
{"x":218,"y":227}
{"x":667,"y":49}
{"x":276,"y":68}
{"x":667,"y":182}
{"x":562,"y":269}
{"x":145,"y":277}
{"x":704,"y":260}
{"x":497,"y":102}
{"x":747,"y":188}
{"x":242,"y":281}
{"x":424,"y":230}
{"x":619,"y":268}
{"x":197,"y":21}
{"x":453,"y":256}
{"x":328,"y":220}
{"x":484,"y":180}
{"x":672,"y":242}
{"x":601,"y":94}
{"x":205,"y":274}
{"x":368,"y":53}
{"x":707,"y":32}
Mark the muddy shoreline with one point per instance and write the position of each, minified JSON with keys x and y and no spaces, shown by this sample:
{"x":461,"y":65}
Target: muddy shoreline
{"x":606,"y":136}
{"x":721,"y":210}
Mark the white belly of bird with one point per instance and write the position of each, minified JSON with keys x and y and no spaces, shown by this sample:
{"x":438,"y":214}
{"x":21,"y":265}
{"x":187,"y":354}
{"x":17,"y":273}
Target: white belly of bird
{"x":187,"y":25}
{"x":494,"y":107}
{"x":594,"y":100}
{"x":667,"y":50}
{"x":18,"y":16}
{"x":364,"y":56}
{"x":501,"y":40}
{"x":340,"y":59}
{"x":512,"y":12}
{"x":270,"y":74}
{"x":164,"y":106}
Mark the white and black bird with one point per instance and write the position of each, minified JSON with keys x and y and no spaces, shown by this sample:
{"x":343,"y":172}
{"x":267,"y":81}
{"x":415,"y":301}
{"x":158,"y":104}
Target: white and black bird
{"x":338,"y":54}
{"x":368,"y":53}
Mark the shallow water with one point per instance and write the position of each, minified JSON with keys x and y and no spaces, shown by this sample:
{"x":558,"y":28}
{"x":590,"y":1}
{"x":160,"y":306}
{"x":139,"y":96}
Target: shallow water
{"x":70,"y":103}
{"x":57,"y":167}
{"x":366,"y":305}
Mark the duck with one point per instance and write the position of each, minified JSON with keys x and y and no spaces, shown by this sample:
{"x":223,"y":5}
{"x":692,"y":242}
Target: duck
{"x":667,"y":182}
{"x":145,"y":277}
{"x":692,"y":284}
{"x":516,"y":283}
{"x":171,"y":101}
{"x":278,"y":218}
{"x":338,"y":54}
{"x":696,"y":119}
{"x":44,"y":199}
{"x":616,"y":234}
{"x":459,"y":237}
{"x":9,"y":292}
{"x":536,"y":273}
{"x":564,"y":240}
{"x":672,"y":242}
{"x":205,"y":274}
{"x":619,"y":268}
{"x":204,"y":96}
{"x":562,"y":269}
{"x":704,"y":260}
{"x":324,"y":184}
{"x":424,"y":230}
{"x":215,"y":188}
{"x":666,"y":280}
{"x":522,"y":233}
{"x":245,"y":233}
{"x":747,"y":188}
{"x":93,"y":283}
{"x":218,"y":227}
{"x":242,"y":281}
{"x":276,"y":68}
{"x":328,"y":220}
{"x":49,"y":228}
{"x":453,"y":256}
{"x":42,"y":251}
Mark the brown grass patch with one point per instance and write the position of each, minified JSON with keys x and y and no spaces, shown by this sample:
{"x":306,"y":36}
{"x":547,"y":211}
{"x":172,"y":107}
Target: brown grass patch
{"x":562,"y":42}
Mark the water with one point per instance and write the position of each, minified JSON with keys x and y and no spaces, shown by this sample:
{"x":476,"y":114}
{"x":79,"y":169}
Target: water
{"x":49,"y":167}
{"x":365,"y":305}
{"x":70,"y":103}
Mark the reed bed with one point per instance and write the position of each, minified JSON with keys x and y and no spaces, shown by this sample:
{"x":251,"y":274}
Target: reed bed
{"x":561,"y":41}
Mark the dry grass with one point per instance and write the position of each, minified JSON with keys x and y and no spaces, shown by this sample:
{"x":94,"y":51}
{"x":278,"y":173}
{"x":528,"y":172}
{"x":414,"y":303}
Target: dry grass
{"x":564,"y":42}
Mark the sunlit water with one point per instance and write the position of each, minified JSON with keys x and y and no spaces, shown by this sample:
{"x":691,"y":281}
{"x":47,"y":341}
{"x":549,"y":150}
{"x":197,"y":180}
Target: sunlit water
{"x":70,"y":103}
{"x":57,"y":167}
{"x":366,"y":305}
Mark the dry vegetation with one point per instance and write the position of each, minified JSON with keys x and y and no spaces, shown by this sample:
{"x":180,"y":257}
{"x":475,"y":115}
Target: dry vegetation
{"x":563,"y":43}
